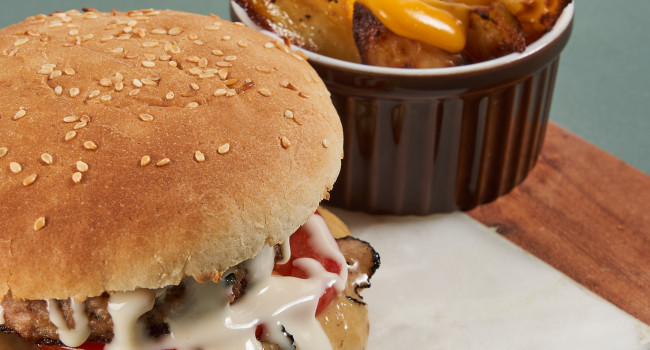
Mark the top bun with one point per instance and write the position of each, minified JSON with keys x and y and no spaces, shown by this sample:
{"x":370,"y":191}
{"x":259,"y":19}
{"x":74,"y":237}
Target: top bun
{"x":239,"y":133}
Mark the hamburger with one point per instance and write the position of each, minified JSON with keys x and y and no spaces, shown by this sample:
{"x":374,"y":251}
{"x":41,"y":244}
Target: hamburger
{"x":160,"y":177}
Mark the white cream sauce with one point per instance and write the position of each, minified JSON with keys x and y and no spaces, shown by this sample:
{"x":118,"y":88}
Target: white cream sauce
{"x":125,"y":309}
{"x":207,"y":320}
{"x":70,"y":336}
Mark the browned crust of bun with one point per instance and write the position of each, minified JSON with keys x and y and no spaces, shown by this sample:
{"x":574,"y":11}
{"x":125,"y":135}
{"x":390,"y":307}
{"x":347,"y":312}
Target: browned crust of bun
{"x":125,"y":226}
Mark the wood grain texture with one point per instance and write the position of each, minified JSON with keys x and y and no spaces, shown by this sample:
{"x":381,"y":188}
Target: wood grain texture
{"x":586,"y":213}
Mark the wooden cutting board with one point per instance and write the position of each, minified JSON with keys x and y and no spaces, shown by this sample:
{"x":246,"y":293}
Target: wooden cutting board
{"x":586,"y":213}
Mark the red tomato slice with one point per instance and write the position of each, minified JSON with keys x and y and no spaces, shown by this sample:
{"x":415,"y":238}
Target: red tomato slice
{"x":301,"y":248}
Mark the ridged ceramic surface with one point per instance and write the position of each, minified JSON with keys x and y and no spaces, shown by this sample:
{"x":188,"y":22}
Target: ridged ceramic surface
{"x":422,"y":154}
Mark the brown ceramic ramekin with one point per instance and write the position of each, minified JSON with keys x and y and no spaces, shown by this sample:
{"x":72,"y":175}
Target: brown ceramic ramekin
{"x":422,"y":141}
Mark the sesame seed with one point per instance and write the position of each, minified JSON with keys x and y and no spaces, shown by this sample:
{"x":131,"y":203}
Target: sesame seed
{"x":117,"y":50}
{"x":73,"y":32}
{"x":105,"y":98}
{"x":206,"y":75}
{"x":119,"y":86}
{"x":169,"y":95}
{"x":269,"y":45}
{"x":217,"y":52}
{"x":223,"y":74}
{"x":149,"y":57}
{"x":225,"y":38}
{"x":58,"y":90}
{"x":127,"y":29}
{"x":69,"y":71}
{"x":132,"y":23}
{"x":134,"y":92}
{"x":77,"y":176}
{"x":175,"y":31}
{"x":284,"y":141}
{"x":231,"y":93}
{"x":286,"y":84}
{"x":195,"y":71}
{"x":224,"y":64}
{"x":223,"y":148}
{"x":198,"y":42}
{"x":203,"y":62}
{"x":55,"y":74}
{"x":55,"y":24}
{"x":145,"y":160}
{"x":148,"y":82}
{"x":94,"y":94}
{"x":288,"y":113}
{"x":124,"y":36}
{"x":89,"y":145}
{"x":194,"y":86}
{"x":146,"y":117}
{"x":212,"y":28}
{"x":105,"y":82}
{"x":87,"y":37}
{"x":85,"y":118}
{"x":163,"y":162}
{"x":159,"y":31}
{"x":106,"y":38}
{"x":29,"y":179}
{"x":150,"y":44}
{"x":82,"y":166}
{"x":165,"y":57}
{"x":15,"y":167}
{"x":220,"y":92}
{"x":148,"y":64}
{"x":20,"y":113}
{"x":117,"y":77}
{"x":173,"y":63}
{"x":137,"y":82}
{"x":193,"y":104}
{"x":230,"y":82}
{"x":193,"y":36}
{"x":80,"y":125}
{"x":74,"y":92}
{"x":47,"y":158}
{"x":175,"y":49}
{"x":45,"y":70}
{"x":263,"y":70}
{"x":199,"y":156}
{"x":70,"y":135}
{"x":242,"y":44}
{"x":39,"y":223}
{"x":3,"y":151}
{"x":21,"y":41}
{"x":303,"y":95}
{"x":264,"y":92}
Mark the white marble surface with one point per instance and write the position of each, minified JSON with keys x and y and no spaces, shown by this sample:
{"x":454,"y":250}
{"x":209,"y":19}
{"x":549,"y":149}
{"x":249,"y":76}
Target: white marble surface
{"x":448,"y":282}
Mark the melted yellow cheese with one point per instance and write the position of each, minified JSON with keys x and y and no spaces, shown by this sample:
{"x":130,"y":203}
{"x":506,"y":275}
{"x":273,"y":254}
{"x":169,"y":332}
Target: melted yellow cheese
{"x":438,"y":23}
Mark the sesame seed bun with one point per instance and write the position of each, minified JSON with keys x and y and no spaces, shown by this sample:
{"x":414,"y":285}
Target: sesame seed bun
{"x":138,"y":148}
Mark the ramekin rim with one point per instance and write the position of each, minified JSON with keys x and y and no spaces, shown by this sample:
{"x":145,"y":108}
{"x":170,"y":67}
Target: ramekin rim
{"x":561,"y":25}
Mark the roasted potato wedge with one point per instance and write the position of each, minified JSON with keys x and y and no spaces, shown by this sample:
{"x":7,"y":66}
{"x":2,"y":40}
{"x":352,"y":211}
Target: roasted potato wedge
{"x":536,"y":17}
{"x":493,"y":32}
{"x":379,"y":46}
{"x":317,"y":25}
